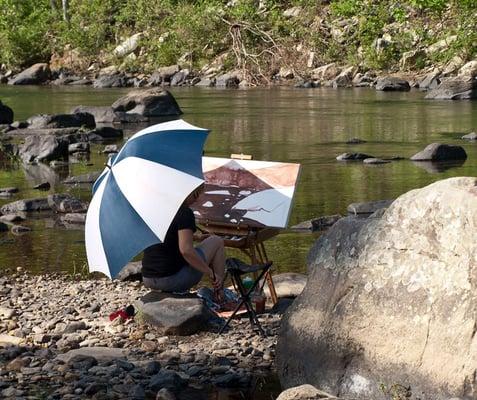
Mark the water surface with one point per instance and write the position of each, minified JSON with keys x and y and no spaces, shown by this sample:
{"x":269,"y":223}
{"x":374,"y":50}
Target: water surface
{"x":306,"y":126}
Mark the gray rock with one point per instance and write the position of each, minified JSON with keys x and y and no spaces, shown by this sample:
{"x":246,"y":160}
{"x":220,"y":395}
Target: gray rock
{"x":111,"y":80}
{"x":9,"y":190}
{"x":304,"y":392}
{"x":110,"y":148}
{"x":42,"y":186}
{"x":470,"y":136}
{"x":175,"y":316}
{"x":165,"y":394}
{"x":101,"y":354}
{"x":148,"y":103}
{"x":288,"y":284}
{"x":59,"y":132}
{"x":430,"y":81}
{"x":36,"y":74}
{"x":352,"y":157}
{"x":440,"y":152}
{"x":6,"y":114}
{"x":74,"y":218}
{"x":101,"y":114}
{"x":107,"y":132}
{"x":85,"y":178}
{"x":368,"y":207}
{"x":27,"y":205}
{"x":131,"y":271}
{"x":206,"y":82}
{"x":375,"y":161}
{"x":9,"y":218}
{"x":43,"y":148}
{"x":391,"y":83}
{"x":180,"y":77}
{"x":163,"y":74}
{"x":19,"y":229}
{"x":45,"y":121}
{"x":355,"y":141}
{"x":454,"y":89}
{"x":78,"y":147}
{"x":386,"y":298}
{"x":166,"y":379}
{"x":65,"y":203}
{"x":228,"y":80}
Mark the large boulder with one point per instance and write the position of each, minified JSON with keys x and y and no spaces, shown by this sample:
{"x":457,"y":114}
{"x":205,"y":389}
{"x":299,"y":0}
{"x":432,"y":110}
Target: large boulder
{"x":148,"y":103}
{"x":440,"y":152}
{"x":454,"y":89}
{"x":391,"y":302}
{"x":6,"y":114}
{"x":45,"y":121}
{"x":43,"y":148}
{"x":100,"y":114}
{"x":36,"y":74}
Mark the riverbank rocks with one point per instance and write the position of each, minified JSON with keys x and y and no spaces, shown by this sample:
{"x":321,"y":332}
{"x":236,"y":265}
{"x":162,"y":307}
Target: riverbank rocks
{"x":174,"y":315}
{"x":472,"y":136}
{"x":35,"y":75}
{"x":392,"y":83}
{"x":27,"y":205}
{"x":440,"y":152}
{"x":454,"y":89}
{"x":43,"y":148}
{"x":45,"y":121}
{"x":6,"y":114}
{"x":148,"y":103}
{"x":388,"y":299}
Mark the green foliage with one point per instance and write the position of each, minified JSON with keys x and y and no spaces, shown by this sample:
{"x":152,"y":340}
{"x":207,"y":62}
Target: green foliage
{"x":346,"y":8}
{"x":24,"y":31}
{"x":431,"y":5}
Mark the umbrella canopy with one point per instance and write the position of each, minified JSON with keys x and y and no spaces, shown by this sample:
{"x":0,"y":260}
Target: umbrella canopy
{"x":138,"y":194}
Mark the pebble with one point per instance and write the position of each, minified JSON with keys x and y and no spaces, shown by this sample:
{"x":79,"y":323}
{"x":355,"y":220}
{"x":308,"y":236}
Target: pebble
{"x":57,"y":314}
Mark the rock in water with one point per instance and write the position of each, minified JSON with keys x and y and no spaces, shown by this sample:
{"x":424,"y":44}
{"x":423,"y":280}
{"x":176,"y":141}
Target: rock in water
{"x":391,"y":301}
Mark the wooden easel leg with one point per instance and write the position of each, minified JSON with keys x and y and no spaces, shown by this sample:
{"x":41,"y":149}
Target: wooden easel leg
{"x":268,"y":277}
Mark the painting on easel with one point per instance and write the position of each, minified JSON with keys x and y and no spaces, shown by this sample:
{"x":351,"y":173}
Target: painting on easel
{"x":247,"y":192}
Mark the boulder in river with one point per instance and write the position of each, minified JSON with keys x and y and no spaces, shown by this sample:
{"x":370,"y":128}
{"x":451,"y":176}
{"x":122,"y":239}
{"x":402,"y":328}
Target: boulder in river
{"x":101,"y":114}
{"x":148,"y":103}
{"x":454,"y":89}
{"x":45,"y":121}
{"x":6,"y":114}
{"x":390,"y":301}
{"x":43,"y":148}
{"x":470,"y":136}
{"x":352,"y":157}
{"x":392,"y":84}
{"x":440,"y":152}
{"x":35,"y":75}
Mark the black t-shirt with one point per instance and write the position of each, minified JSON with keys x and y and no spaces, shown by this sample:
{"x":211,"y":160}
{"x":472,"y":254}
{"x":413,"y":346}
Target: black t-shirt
{"x":165,"y":259}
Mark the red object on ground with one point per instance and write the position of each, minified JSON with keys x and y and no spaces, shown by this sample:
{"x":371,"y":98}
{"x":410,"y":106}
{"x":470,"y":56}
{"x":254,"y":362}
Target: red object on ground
{"x":121,"y":313}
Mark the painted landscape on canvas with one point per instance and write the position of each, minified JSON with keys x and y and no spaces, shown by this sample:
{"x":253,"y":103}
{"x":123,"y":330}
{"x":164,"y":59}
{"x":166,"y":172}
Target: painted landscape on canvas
{"x":246,"y":192}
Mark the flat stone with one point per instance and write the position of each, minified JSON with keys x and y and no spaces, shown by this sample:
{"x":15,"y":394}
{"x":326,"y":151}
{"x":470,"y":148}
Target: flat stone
{"x":353,"y":156}
{"x":176,"y":316}
{"x":101,"y":354}
{"x":375,"y":161}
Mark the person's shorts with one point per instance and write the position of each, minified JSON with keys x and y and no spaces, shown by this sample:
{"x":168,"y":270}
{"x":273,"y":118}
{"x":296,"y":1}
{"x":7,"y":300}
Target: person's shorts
{"x":181,"y":281}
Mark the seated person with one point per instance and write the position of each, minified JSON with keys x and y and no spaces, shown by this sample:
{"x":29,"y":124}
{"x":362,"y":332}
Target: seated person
{"x":175,"y":265}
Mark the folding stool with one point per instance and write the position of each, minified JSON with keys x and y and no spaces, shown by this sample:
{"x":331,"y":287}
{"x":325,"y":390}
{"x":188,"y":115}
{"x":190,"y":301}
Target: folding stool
{"x":236,"y":269}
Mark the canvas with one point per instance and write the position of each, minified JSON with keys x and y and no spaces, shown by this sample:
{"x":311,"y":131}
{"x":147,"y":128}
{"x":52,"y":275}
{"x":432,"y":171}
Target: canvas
{"x":247,"y":192}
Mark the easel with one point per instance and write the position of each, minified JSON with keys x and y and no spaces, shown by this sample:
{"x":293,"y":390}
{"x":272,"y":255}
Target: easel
{"x":248,"y":240}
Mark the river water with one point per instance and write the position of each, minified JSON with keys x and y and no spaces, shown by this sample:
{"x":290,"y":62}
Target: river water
{"x":306,"y":126}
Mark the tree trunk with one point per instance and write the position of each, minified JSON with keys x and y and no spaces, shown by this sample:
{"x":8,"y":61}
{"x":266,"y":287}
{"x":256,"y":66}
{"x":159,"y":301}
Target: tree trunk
{"x":65,"y":9}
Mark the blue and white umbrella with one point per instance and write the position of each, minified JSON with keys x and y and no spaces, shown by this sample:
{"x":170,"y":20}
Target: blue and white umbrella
{"x":137,"y":196}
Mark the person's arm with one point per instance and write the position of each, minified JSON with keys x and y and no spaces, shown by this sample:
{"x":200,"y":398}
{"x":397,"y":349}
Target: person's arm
{"x":186,"y":247}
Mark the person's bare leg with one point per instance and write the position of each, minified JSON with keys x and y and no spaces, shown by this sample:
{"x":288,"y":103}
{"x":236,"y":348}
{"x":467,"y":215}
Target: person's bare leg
{"x":213,"y":248}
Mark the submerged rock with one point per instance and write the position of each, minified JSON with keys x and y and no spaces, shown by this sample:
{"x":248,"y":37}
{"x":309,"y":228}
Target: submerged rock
{"x":352,"y":157}
{"x":386,"y":299}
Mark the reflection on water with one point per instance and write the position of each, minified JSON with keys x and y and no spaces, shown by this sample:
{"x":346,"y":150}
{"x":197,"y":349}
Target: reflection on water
{"x":310,"y":127}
